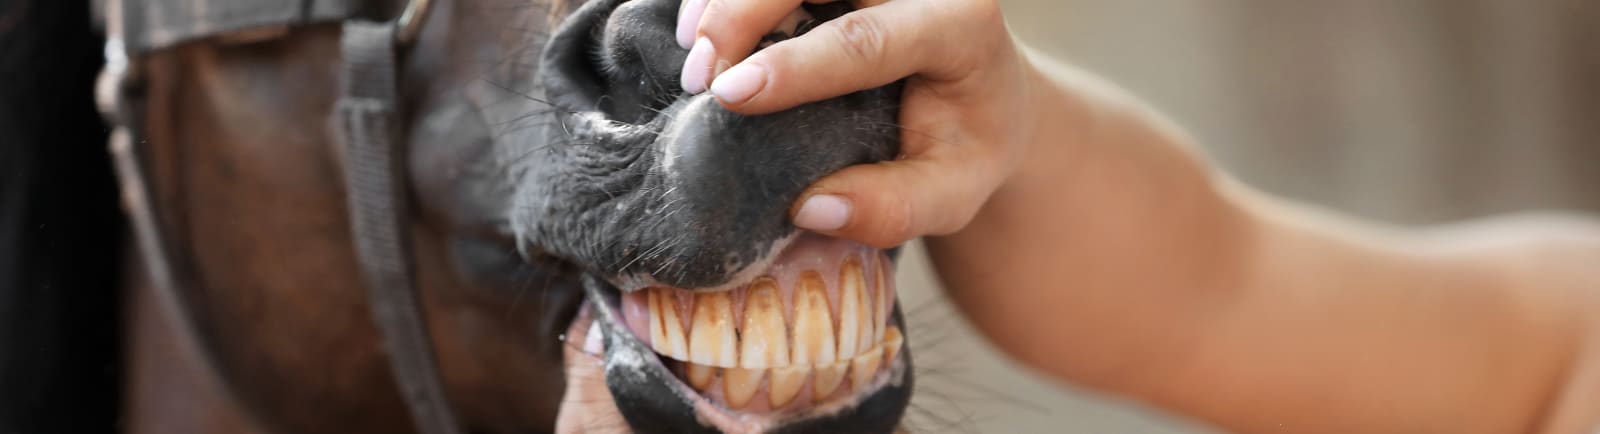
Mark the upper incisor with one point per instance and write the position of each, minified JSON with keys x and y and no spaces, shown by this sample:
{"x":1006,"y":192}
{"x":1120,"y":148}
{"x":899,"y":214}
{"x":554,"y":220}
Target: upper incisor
{"x":764,"y":341}
{"x":711,"y":337}
{"x":850,"y":321}
{"x":767,"y":335}
{"x":813,"y":324}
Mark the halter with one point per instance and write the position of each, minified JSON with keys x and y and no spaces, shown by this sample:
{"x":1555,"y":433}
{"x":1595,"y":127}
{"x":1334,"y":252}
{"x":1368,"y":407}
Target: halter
{"x":374,"y":168}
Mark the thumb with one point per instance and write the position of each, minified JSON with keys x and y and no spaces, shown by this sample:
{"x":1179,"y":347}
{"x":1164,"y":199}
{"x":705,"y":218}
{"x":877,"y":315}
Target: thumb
{"x":888,"y":203}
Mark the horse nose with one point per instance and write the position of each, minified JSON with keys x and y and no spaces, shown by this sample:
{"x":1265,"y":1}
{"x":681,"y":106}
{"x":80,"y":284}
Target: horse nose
{"x":732,"y":178}
{"x":724,"y":160}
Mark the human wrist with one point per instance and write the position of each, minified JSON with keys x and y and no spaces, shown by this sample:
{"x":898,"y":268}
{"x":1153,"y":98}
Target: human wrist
{"x":1060,"y":122}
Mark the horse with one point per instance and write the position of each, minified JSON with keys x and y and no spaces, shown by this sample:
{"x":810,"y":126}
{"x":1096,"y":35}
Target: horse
{"x":592,"y":249}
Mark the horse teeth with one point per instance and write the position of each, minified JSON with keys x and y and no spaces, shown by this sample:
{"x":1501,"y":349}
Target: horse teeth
{"x":658,"y":331}
{"x":850,"y":309}
{"x":764,"y":338}
{"x":739,"y":385}
{"x":827,"y":379}
{"x":666,"y":329}
{"x":785,"y":384}
{"x":699,"y":375}
{"x":880,"y":294}
{"x":892,"y":339}
{"x":711,"y":338}
{"x":813,"y":325}
{"x":868,"y":297}
{"x":827,"y":338}
{"x":864,"y":367}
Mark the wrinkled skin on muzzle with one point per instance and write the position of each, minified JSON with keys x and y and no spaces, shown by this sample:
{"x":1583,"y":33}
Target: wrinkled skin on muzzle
{"x":638,"y":182}
{"x":579,"y":168}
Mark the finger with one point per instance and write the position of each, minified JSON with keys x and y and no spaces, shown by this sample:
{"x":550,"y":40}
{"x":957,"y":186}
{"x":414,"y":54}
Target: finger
{"x":735,"y":27}
{"x":692,"y":12}
{"x":689,"y":13}
{"x":888,"y":203}
{"x":719,"y":33}
{"x":863,"y":49}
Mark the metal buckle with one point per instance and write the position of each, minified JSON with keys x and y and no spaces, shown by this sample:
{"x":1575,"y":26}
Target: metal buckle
{"x":409,"y":26}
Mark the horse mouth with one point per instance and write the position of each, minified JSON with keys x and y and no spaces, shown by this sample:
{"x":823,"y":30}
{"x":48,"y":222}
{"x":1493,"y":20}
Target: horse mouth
{"x":815,"y":336}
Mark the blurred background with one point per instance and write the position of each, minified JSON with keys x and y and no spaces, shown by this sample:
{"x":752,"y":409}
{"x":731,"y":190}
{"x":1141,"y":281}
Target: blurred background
{"x":1408,"y":112}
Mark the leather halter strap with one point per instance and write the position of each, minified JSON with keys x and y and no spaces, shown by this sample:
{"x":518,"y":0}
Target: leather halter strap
{"x":376,"y":191}
{"x":376,"y":188}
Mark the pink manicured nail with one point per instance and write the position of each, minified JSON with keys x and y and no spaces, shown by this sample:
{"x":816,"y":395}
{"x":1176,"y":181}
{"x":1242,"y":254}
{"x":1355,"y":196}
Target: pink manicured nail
{"x":737,"y":85}
{"x":697,"y":67}
{"x":689,"y":21}
{"x":823,"y":212}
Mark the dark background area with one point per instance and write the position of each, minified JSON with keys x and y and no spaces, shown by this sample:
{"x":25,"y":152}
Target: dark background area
{"x":60,"y":229}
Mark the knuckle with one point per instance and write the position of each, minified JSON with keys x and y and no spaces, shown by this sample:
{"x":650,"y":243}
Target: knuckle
{"x":714,"y":15}
{"x":897,"y":220}
{"x":712,"y":9}
{"x":722,"y":19}
{"x":863,"y":37}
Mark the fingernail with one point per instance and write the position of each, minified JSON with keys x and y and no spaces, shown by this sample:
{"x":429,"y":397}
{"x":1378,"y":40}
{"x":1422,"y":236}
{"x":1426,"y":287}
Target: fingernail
{"x":740,"y":83}
{"x":823,"y":212}
{"x":697,"y":67}
{"x":689,"y":21}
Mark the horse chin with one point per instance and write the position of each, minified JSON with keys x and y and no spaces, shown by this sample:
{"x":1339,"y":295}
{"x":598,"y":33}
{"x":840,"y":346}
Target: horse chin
{"x":813,"y":343}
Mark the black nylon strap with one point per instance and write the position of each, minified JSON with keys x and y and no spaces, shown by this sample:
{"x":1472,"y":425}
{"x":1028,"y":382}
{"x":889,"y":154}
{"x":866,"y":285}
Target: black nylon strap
{"x":374,"y":168}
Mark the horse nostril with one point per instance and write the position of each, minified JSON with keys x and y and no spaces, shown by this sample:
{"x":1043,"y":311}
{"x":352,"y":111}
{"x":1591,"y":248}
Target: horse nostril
{"x":640,"y":57}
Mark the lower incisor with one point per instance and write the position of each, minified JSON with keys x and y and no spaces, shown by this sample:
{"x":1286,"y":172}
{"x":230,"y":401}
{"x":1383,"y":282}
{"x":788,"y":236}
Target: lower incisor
{"x":784,"y":383}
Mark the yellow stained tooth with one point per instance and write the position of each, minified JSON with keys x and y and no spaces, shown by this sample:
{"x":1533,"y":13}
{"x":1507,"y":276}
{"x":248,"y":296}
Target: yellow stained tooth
{"x":827,"y":379}
{"x":700,"y":375}
{"x":813,"y":325}
{"x":867,"y":338}
{"x":666,"y":330}
{"x":711,"y":339}
{"x":739,"y":385}
{"x":658,"y":333}
{"x":864,"y":367}
{"x":850,"y":283}
{"x":764,"y":338}
{"x":892,"y":339}
{"x":785,"y":384}
{"x":880,"y":293}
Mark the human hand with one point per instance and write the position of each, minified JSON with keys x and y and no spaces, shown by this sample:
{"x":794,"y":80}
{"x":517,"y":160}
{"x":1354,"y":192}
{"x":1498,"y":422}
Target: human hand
{"x":962,"y":135}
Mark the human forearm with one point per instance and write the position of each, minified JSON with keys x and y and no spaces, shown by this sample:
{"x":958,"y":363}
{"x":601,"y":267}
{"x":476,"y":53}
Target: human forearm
{"x":1344,"y":327}
{"x":1106,"y":250}
{"x":1115,"y":258}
